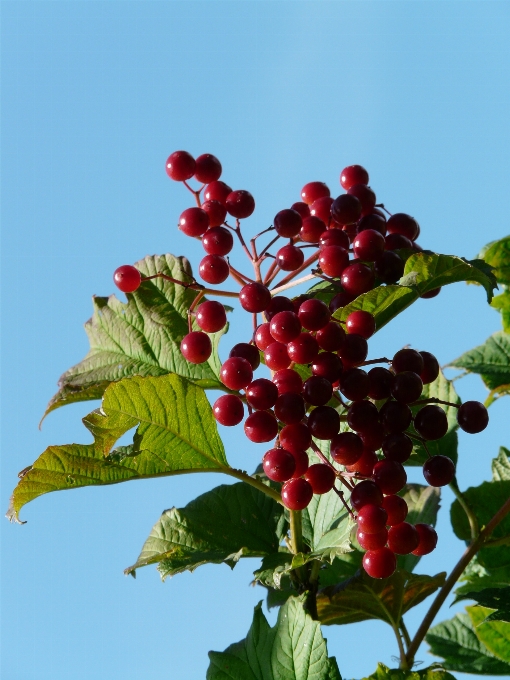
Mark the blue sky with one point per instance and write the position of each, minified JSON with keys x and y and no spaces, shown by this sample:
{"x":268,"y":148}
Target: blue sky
{"x":95,"y":97}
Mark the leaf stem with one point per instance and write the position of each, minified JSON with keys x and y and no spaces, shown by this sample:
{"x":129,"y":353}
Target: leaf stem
{"x":405,"y":633}
{"x":466,"y":558}
{"x":253,"y":481}
{"x":296,"y":531}
{"x":472,"y":518}
{"x":434,"y":400}
{"x":290,"y":276}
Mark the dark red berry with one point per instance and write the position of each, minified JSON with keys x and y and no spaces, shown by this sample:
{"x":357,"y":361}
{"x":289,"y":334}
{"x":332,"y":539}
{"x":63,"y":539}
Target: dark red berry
{"x":357,"y":278}
{"x":276,"y":356}
{"x":354,"y":350}
{"x":208,"y":168}
{"x":279,"y":465}
{"x":301,"y":460}
{"x":368,"y":245}
{"x":317,"y":391}
{"x":285,"y":326}
{"x":431,"y":422}
{"x":346,"y":448}
{"x":327,"y":365}
{"x":431,"y":293}
{"x":211,"y":316}
{"x":333,"y":260}
{"x":312,"y":229}
{"x":331,"y":337}
{"x":296,"y":494}
{"x":320,"y":477}
{"x":407,"y":360}
{"x":389,"y":267}
{"x":389,"y":476}
{"x":196,"y":347}
{"x":290,"y":258}
{"x":213,"y":269}
{"x":380,"y":563}
{"x":407,"y":387}
{"x":397,"y":509}
{"x":372,"y":518}
{"x":228,"y":410}
{"x":296,"y":435}
{"x":314,"y":190}
{"x":218,"y":241}
{"x":262,"y":394}
{"x":395,"y":417}
{"x":438,"y":470}
{"x":428,"y":539}
{"x":361,"y":323}
{"x":372,"y":221}
{"x":346,"y":209}
{"x":127,"y":278}
{"x":263,"y":337}
{"x":240,"y":204}
{"x":302,"y":209}
{"x":290,"y":408}
{"x":381,"y":383}
{"x":261,"y":426}
{"x":314,"y":314}
{"x":217,"y":191}
{"x":403,"y":224}
{"x":353,"y":174}
{"x":365,"y":195}
{"x":287,"y":223}
{"x":472,"y":417}
{"x":397,"y":242}
{"x":217,"y":213}
{"x":397,"y":447}
{"x":365,"y":493}
{"x":279,"y":303}
{"x":354,"y":384}
{"x":248,"y":352}
{"x":373,"y":438}
{"x":362,"y":416}
{"x":365,"y":464}
{"x":303,"y":349}
{"x":321,"y":208}
{"x":180,"y":165}
{"x":236,"y":373}
{"x":430,"y":368}
{"x":288,"y":380}
{"x":334,"y":237}
{"x":254,"y":297}
{"x":372,"y":541}
{"x":340,"y":300}
{"x":324,"y":422}
{"x":403,"y":538}
{"x":194,"y":222}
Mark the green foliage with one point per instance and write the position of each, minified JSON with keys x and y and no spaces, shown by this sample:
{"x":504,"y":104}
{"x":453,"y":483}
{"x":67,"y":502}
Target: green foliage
{"x":294,"y":649}
{"x":495,"y":599}
{"x":497,"y":254}
{"x":434,"y":672}
{"x":501,"y":466}
{"x":140,"y":337}
{"x":502,"y":304}
{"x":494,"y":634}
{"x":221,"y":525}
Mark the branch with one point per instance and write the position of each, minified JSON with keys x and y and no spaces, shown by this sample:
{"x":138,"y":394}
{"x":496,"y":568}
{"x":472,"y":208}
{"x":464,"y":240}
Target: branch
{"x":472,"y":518}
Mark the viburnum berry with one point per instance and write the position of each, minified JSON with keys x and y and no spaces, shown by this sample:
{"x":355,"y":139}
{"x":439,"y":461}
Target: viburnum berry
{"x":278,"y":303}
{"x":297,"y":494}
{"x":354,"y":384}
{"x":397,"y":509}
{"x":346,"y":209}
{"x":295,"y":435}
{"x":312,"y":229}
{"x":290,"y":408}
{"x":368,"y":245}
{"x":290,"y":258}
{"x":301,"y":460}
{"x":248,"y":352}
{"x":353,"y":174}
{"x":196,"y":347}
{"x":180,"y":166}
{"x":365,"y":195}
{"x":380,"y":563}
{"x":194,"y":222}
{"x":324,"y":422}
{"x":213,"y":269}
{"x":333,"y":260}
{"x":346,"y":448}
{"x":288,"y":380}
{"x":211,"y":316}
{"x":334,"y":237}
{"x":372,"y":221}
{"x":208,"y":168}
{"x":389,"y":267}
{"x":302,"y":209}
{"x":317,"y":390}
{"x":407,"y":360}
{"x":431,"y":422}
{"x":373,"y":438}
{"x":340,"y":300}
{"x":430,"y":368}
{"x":389,"y":475}
{"x":236,"y":373}
{"x":361,"y":323}
{"x":372,"y":541}
{"x":303,"y":349}
{"x":279,"y":465}
{"x":314,"y":314}
{"x":261,"y":426}
{"x":438,"y":470}
{"x":403,"y":224}
{"x":472,"y":417}
{"x":240,"y":204}
{"x":357,"y":278}
{"x":217,"y":191}
{"x":362,"y":416}
{"x":381,"y":383}
{"x":364,"y":465}
{"x":428,"y":539}
{"x":407,"y":387}
{"x":254,"y":297}
{"x":397,"y":447}
{"x":127,"y":278}
{"x":330,"y":337}
{"x":287,"y":223}
{"x":276,"y":356}
{"x":403,"y":538}
{"x":372,"y":518}
{"x":321,"y":208}
{"x":320,"y":477}
{"x":395,"y":416}
{"x":228,"y":410}
{"x":218,"y":241}
{"x":431,"y":293}
{"x":354,"y":350}
{"x":365,"y":493}
{"x":216,"y":212}
{"x":285,"y":326}
{"x":327,"y":365}
{"x":262,"y":394}
{"x":314,"y":190}
{"x":397,"y":242}
{"x":263,"y":337}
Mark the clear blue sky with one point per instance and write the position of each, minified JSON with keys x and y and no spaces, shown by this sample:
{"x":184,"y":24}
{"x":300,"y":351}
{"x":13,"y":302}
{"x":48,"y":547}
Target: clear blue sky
{"x":95,"y":97}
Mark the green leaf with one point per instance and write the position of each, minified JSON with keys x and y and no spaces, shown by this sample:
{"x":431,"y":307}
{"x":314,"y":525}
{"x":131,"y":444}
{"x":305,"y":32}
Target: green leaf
{"x":433,"y":672}
{"x":362,"y":597}
{"x":221,"y":525}
{"x":324,"y":291}
{"x":423,"y":503}
{"x":327,"y":526}
{"x":476,"y":578}
{"x":383,"y":302}
{"x":140,"y":337}
{"x":495,"y":634}
{"x":293,"y":649}
{"x":502,"y":304}
{"x":456,"y":641}
{"x":490,"y":360}
{"x":342,"y":568}
{"x":501,"y":466}
{"x":176,"y":432}
{"x":495,"y":599}
{"x":497,"y":254}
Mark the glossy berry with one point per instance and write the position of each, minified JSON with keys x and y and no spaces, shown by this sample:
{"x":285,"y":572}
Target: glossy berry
{"x":361,"y":323}
{"x":368,"y":245}
{"x":365,"y":493}
{"x":372,"y":518}
{"x":397,"y":509}
{"x":180,"y":165}
{"x":428,"y":539}
{"x":218,"y":241}
{"x":302,"y":209}
{"x":228,"y":410}
{"x":353,"y":174}
{"x":314,"y":314}
{"x":261,"y":426}
{"x":395,"y":416}
{"x":217,"y":191}
{"x":317,"y":391}
{"x":208,"y":168}
{"x":213,"y":269}
{"x":127,"y":278}
{"x":333,"y":260}
{"x":403,"y":538}
{"x":389,"y":267}
{"x":354,"y":384}
{"x":472,"y":417}
{"x":194,"y":222}
{"x":331,"y":337}
{"x":407,"y":360}
{"x":296,"y":494}
{"x":320,"y":477}
{"x":403,"y":224}
{"x":324,"y":422}
{"x":357,"y":278}
{"x":211,"y":316}
{"x":312,"y":229}
{"x":365,"y":195}
{"x":236,"y":373}
{"x":303,"y":349}
{"x":288,"y":380}
{"x":285,"y":326}
{"x":287,"y":223}
{"x":373,"y":437}
{"x":334,"y":237}
{"x":240,"y":204}
{"x":397,"y":242}
{"x":372,"y":541}
{"x":216,"y":212}
{"x":279,"y":465}
{"x":438,"y":470}
{"x":431,"y":422}
{"x":248,"y":352}
{"x":379,"y":563}
{"x":346,"y":448}
{"x":398,"y":447}
{"x":381,"y":383}
{"x":301,"y":460}
{"x":327,"y":365}
{"x":278,"y":303}
{"x":354,"y":350}
{"x":372,"y":221}
{"x":362,"y":416}
{"x":254,"y":297}
{"x":389,"y":475}
{"x":290,"y":258}
{"x":430,"y":368}
{"x":262,"y":395}
{"x":290,"y":408}
{"x":407,"y":387}
{"x":196,"y":347}
{"x":340,"y":300}
{"x":314,"y":190}
{"x":321,"y":208}
{"x":296,"y":436}
{"x":263,"y":337}
{"x":276,"y":356}
{"x":365,"y":464}
{"x":346,"y":209}
{"x":431,"y":293}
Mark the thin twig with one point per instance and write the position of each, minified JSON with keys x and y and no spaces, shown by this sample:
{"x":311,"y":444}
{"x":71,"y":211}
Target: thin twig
{"x":193,"y":285}
{"x":472,"y":518}
{"x":304,"y":266}
{"x":292,"y":284}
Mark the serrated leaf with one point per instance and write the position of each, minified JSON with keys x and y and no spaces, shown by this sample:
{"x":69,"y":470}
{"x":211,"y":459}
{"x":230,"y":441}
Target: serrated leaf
{"x":495,"y":635}
{"x":362,"y":597}
{"x":176,"y":432}
{"x":433,"y":672}
{"x":423,"y":503}
{"x":327,"y":526}
{"x":501,"y":466}
{"x":140,"y":337}
{"x":476,"y":577}
{"x":497,"y":600}
{"x":293,"y":649}
{"x":383,"y":302}
{"x":456,"y":641}
{"x":497,"y":254}
{"x":490,"y":360}
{"x":221,"y":525}
{"x":341,"y":569}
{"x":502,"y":304}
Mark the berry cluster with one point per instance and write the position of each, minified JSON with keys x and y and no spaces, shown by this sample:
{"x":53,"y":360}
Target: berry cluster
{"x":318,"y":388}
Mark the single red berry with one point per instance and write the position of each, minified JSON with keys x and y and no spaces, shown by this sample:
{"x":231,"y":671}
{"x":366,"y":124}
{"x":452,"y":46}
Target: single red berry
{"x":285,"y":326}
{"x":287,"y":223}
{"x":362,"y":416}
{"x":320,"y":477}
{"x":403,"y":538}
{"x":431,"y":293}
{"x":407,"y":387}
{"x":324,"y":422}
{"x":334,"y":237}
{"x":194,"y":222}
{"x":254,"y":297}
{"x":397,"y":509}
{"x":381,"y":382}
{"x":365,"y":195}
{"x":279,"y":465}
{"x":248,"y":352}
{"x":279,"y":303}
{"x":321,"y":208}
{"x":228,"y":410}
{"x":213,"y":269}
{"x":403,"y":224}
{"x":260,"y":427}
{"x":395,"y":416}
{"x":430,"y":368}
{"x":263,"y":337}
{"x":353,"y":174}
{"x":372,"y":541}
{"x":303,"y":349}
{"x":354,"y":350}
{"x":327,"y":365}
{"x":389,"y":267}
{"x":314,"y":190}
{"x":407,"y":360}
{"x":366,"y":493}
{"x":346,"y":448}
{"x":340,"y":300}
{"x":290,"y":258}
{"x":373,"y":438}
{"x":380,"y":563}
{"x":438,"y":470}
{"x":302,"y":209}
{"x":346,"y":209}
{"x":296,"y":494}
{"x":431,"y":422}
{"x":288,"y":380}
{"x":331,"y":337}
{"x":389,"y":475}
{"x":240,"y":204}
{"x":217,"y":191}
{"x":211,"y":316}
{"x":262,"y":394}
{"x":372,"y":518}
{"x":290,"y":408}
{"x":372,"y":221}
{"x":312,"y":229}
{"x":472,"y":417}
{"x":368,"y":245}
{"x":301,"y":459}
{"x":236,"y":373}
{"x":317,"y":391}
{"x":333,"y":260}
{"x":208,"y":168}
{"x":295,"y":436}
{"x":276,"y":356}
{"x":354,"y":384}
{"x":314,"y":314}
{"x":397,"y":447}
{"x":127,"y":278}
{"x":196,"y":347}
{"x":357,"y":278}
{"x":216,"y":212}
{"x":428,"y":539}
{"x":397,"y":242}
{"x":365,"y":464}
{"x":180,"y":165}
{"x":361,"y":323}
{"x":218,"y":241}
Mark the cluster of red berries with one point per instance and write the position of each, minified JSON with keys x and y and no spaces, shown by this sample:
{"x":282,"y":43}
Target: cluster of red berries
{"x":375,"y":408}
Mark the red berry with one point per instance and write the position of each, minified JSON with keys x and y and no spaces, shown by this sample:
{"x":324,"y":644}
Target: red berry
{"x":320,"y":477}
{"x":290,"y":408}
{"x":407,"y":360}
{"x":439,"y":470}
{"x":431,"y":293}
{"x":213,"y":269}
{"x":407,"y":387}
{"x":211,"y":316}
{"x":397,"y":447}
{"x":354,"y":350}
{"x":228,"y":410}
{"x":196,"y":347}
{"x":279,"y":303}
{"x":354,"y":384}
{"x":218,"y":241}
{"x":372,"y":541}
{"x":472,"y":417}
{"x":397,"y":242}
{"x":372,"y":518}
{"x":194,"y":222}
{"x":312,"y":229}
{"x":372,"y":221}
{"x":403,"y":538}
{"x":296,"y":436}
{"x":340,"y":300}
{"x":303,"y":349}
{"x":395,"y":417}
{"x":380,"y":563}
{"x":217,"y":191}
{"x":302,"y":209}
{"x":327,"y":365}
{"x":240,"y":204}
{"x":296,"y":494}
{"x":366,"y":197}
{"x":389,"y":475}
{"x":262,"y":394}
{"x":366,"y":493}
{"x":346,"y":448}
{"x":288,"y":380}
{"x":361,"y":323}
{"x":180,"y":165}
{"x":208,"y":168}
{"x":333,"y":260}
{"x":285,"y":326}
{"x":279,"y":465}
{"x":314,"y":190}
{"x":290,"y":258}
{"x":430,"y":368}
{"x":397,"y":509}
{"x":314,"y":314}
{"x":287,"y":223}
{"x":248,"y":352}
{"x":301,"y":459}
{"x":365,"y":464}
{"x":357,"y":278}
{"x":276,"y":356}
{"x":403,"y":224}
{"x":368,"y":245}
{"x":381,"y":382}
{"x":236,"y":373}
{"x":353,"y":174}
{"x":346,"y":209}
{"x":373,"y":438}
{"x":330,"y":337}
{"x":261,"y":426}
{"x":127,"y":278}
{"x":389,"y":267}
{"x":317,"y":391}
{"x":324,"y":422}
{"x":334,"y":237}
{"x":321,"y":208}
{"x":217,"y":214}
{"x":428,"y":539}
{"x":431,"y":422}
{"x":254,"y":297}
{"x":263,"y":337}
{"x":362,"y":416}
